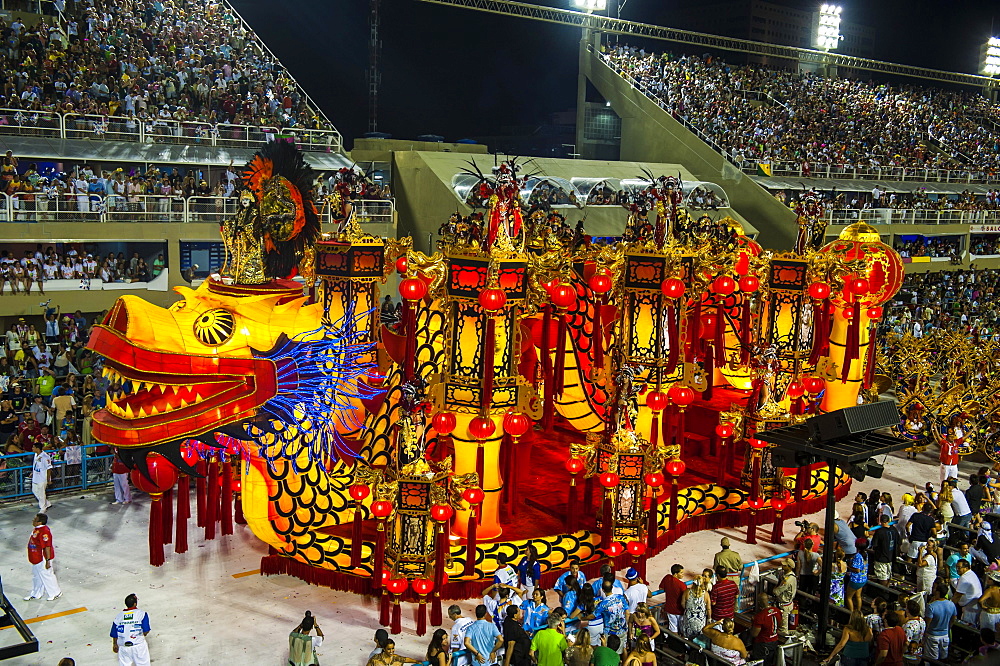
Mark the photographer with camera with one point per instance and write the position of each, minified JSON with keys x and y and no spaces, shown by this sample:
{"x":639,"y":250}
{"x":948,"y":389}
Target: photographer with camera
{"x":807,"y":531}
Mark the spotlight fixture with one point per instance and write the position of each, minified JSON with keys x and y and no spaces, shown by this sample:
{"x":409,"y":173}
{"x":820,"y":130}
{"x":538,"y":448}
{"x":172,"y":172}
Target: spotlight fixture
{"x":591,"y":5}
{"x":991,"y":58}
{"x":828,"y":27}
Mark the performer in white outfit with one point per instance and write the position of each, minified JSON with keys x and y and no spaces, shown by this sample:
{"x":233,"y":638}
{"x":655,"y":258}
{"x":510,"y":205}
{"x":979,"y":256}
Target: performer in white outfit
{"x":128,"y":634}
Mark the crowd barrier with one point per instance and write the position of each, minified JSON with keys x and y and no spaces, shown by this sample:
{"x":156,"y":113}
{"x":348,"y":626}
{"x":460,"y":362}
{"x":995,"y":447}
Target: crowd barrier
{"x":49,"y":124}
{"x":93,"y":470}
{"x":39,"y":207}
{"x":912,"y":216}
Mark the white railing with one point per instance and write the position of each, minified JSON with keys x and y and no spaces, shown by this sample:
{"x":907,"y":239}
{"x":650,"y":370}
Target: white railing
{"x":912,"y":216}
{"x":39,"y":207}
{"x":154,"y":130}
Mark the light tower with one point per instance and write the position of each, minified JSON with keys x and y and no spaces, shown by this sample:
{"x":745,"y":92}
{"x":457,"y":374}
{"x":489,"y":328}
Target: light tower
{"x":828,"y":35}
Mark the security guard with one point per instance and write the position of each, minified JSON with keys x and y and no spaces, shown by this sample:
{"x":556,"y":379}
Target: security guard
{"x":128,"y":634}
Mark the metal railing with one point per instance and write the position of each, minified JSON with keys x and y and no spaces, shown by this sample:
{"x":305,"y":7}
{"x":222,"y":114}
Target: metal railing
{"x":912,"y":216}
{"x":133,"y":129}
{"x":40,"y":207}
{"x":93,"y":470}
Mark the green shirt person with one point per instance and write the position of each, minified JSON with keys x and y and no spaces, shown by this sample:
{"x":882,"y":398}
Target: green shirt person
{"x":607,"y":655}
{"x":549,"y":644}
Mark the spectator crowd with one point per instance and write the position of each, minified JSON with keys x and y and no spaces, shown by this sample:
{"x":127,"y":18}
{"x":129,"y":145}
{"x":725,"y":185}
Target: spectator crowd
{"x":763,"y":114}
{"x":963,"y":300}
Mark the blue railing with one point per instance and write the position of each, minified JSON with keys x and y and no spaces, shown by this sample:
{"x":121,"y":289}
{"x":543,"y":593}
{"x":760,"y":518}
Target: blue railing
{"x":94,"y":469}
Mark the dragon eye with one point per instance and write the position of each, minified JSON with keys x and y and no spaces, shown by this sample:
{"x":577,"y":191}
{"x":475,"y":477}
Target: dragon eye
{"x":214,"y":327}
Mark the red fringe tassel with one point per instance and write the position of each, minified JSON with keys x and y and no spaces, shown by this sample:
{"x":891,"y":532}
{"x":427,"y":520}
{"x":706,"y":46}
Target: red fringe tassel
{"x":183,"y":513}
{"x":870,"y":358}
{"x":421,"y":618}
{"x":673,"y":351}
{"x":227,"y":497}
{"x":853,"y":341}
{"x":379,"y":562}
{"x":396,"y":624}
{"x":471,"y":549}
{"x":548,"y":414}
{"x":356,"y":537}
{"x":199,"y":494}
{"x":560,"y":370}
{"x":383,"y":609}
{"x":168,"y":516}
{"x":745,"y":336}
{"x":212,"y":500}
{"x":155,"y":531}
{"x":597,"y":337}
{"x":489,"y":351}
{"x":238,"y":510}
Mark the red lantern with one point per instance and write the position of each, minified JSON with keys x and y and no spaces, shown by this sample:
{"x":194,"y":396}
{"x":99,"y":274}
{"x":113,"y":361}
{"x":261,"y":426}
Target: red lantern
{"x":749,"y":284}
{"x":574,"y":465}
{"x":473,"y":495}
{"x":779,"y":503}
{"x":675,"y":467}
{"x":402,"y":264}
{"x":724,"y":430}
{"x":875,"y":312}
{"x":444,"y":422}
{"x":757,"y":503}
{"x":550,"y":285}
{"x":708,"y":326}
{"x":482,"y":427}
{"x":600,"y":283}
{"x":813,"y":384}
{"x":654,"y":479}
{"x":860,"y":286}
{"x":656,"y":400}
{"x":423,"y":586}
{"x":724,"y":285}
{"x":190,"y":455}
{"x":819,"y":290}
{"x":795,"y":390}
{"x":492,"y":300}
{"x":636,"y":548}
{"x":516,"y":424}
{"x":441,"y":512}
{"x":672,"y":288}
{"x":381,"y":508}
{"x":848,"y":312}
{"x":883,"y":269}
{"x":614,"y":549}
{"x":681,"y":395}
{"x":413,"y":289}
{"x":359,"y":492}
{"x":757,"y":443}
{"x":563,"y":296}
{"x":397,"y":585}
{"x":609,"y":479}
{"x":236,"y":484}
{"x":742,"y":266}
{"x":162,"y":475}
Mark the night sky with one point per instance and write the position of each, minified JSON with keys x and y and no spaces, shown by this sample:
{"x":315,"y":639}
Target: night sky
{"x":461,"y":73}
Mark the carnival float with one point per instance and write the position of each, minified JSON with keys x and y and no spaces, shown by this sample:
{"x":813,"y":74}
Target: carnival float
{"x":588,"y":400}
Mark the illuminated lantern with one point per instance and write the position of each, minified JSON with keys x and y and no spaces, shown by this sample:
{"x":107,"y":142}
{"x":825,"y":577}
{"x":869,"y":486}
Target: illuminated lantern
{"x":742,"y":266}
{"x":444,"y":422}
{"x":681,"y":395}
{"x":360,"y":492}
{"x":654,"y":479}
{"x":482,"y":427}
{"x":724,"y":285}
{"x":574,"y":465}
{"x":162,"y":475}
{"x":636,"y":548}
{"x":492,"y":300}
{"x":516,"y":424}
{"x":473,"y":495}
{"x":550,"y":285}
{"x":860,"y":286}
{"x":563,"y":296}
{"x":795,"y":390}
{"x":609,"y":479}
{"x":813,"y":384}
{"x":675,"y":467}
{"x":848,"y":313}
{"x":779,"y":503}
{"x":441,"y":512}
{"x":819,"y":290}
{"x":749,"y":284}
{"x":757,"y":503}
{"x":381,"y":509}
{"x":724,"y":430}
{"x":397,"y":585}
{"x":190,"y":455}
{"x":708,"y":326}
{"x":236,"y":484}
{"x":875,"y":312}
{"x":423,"y":586}
{"x":614,"y":549}
{"x":402,"y":264}
{"x":656,"y":400}
{"x":758,"y":443}
{"x":600,"y":283}
{"x":413,"y":289}
{"x":672,"y":288}
{"x":883,"y":273}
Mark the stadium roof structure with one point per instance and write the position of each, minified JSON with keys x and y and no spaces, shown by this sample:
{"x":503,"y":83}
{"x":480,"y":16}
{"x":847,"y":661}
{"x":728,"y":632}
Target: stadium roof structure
{"x":599,"y":23}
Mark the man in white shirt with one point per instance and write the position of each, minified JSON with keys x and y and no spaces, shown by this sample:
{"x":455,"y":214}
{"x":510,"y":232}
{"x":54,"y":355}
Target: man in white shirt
{"x":505,"y":574}
{"x":128,"y":634}
{"x":456,"y":637}
{"x":960,"y":505}
{"x":637,"y":592}
{"x":40,"y":466}
{"x":968,"y":589}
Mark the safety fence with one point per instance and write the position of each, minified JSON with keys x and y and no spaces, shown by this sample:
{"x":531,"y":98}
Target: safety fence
{"x":92,"y":470}
{"x":132,"y":129}
{"x":42,"y":207}
{"x":912,"y":216}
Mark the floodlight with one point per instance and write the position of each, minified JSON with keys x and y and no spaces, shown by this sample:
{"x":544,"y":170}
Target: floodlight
{"x":828,"y":27}
{"x":991,"y":60}
{"x":591,"y":5}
